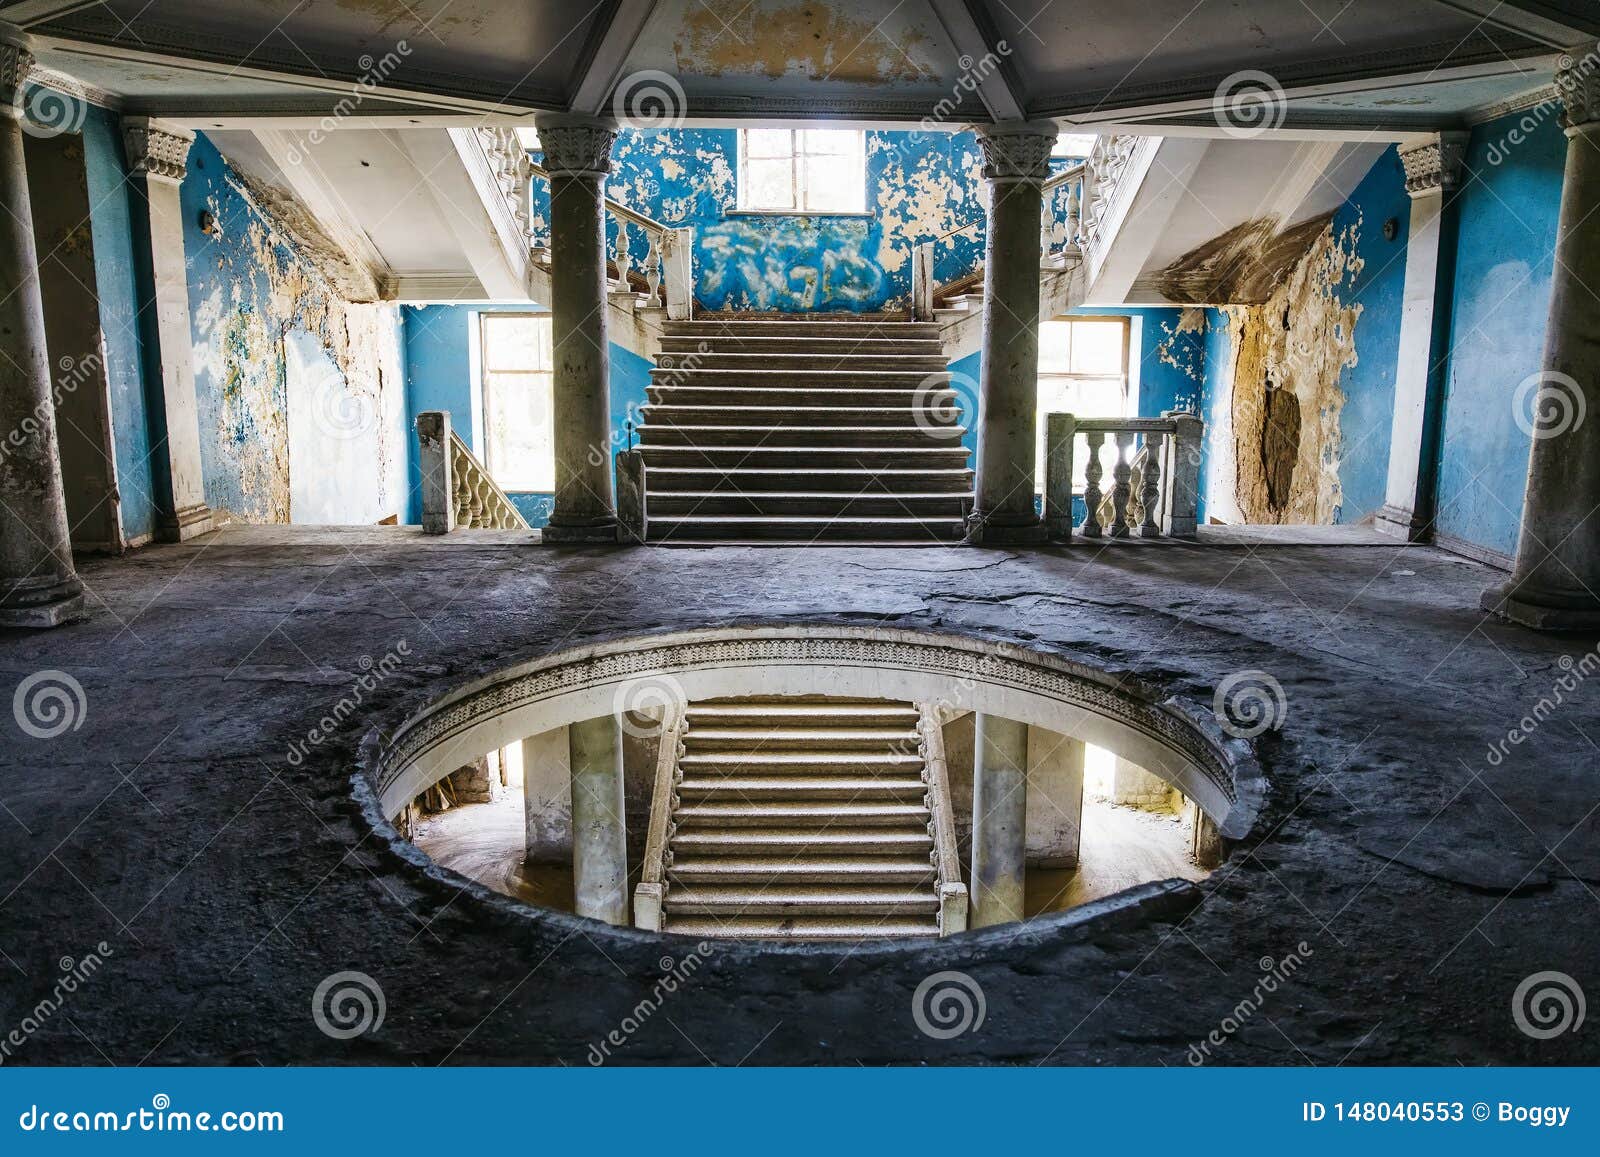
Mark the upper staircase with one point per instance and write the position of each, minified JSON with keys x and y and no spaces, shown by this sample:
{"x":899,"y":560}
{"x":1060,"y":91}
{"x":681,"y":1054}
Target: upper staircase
{"x":799,"y":430}
{"x":817,"y":819}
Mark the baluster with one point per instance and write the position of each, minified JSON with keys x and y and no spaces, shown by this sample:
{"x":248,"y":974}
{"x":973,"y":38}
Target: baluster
{"x":622,"y":255}
{"x":1074,"y":212}
{"x":1150,"y":486}
{"x":652,"y":268}
{"x":1091,"y":484}
{"x":1047,"y":220}
{"x":1121,"y":489}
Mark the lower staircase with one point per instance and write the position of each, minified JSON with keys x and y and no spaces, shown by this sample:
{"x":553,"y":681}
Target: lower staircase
{"x":806,"y":819}
{"x":803,"y":430}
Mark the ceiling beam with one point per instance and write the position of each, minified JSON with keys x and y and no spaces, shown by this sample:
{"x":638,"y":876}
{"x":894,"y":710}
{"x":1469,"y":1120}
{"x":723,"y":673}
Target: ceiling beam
{"x":1550,"y":24}
{"x":606,"y":53}
{"x":25,"y":13}
{"x":972,"y":35}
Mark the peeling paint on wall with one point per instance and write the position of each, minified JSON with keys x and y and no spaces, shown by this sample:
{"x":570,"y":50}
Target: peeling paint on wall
{"x":749,"y":38}
{"x":1179,"y":347}
{"x":1277,"y":459}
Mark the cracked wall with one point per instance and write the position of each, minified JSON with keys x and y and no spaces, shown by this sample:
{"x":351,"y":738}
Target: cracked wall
{"x":301,"y":392}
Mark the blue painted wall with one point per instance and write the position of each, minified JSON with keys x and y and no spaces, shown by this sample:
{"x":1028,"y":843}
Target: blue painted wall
{"x":920,"y":186}
{"x":111,"y":226}
{"x":1216,"y":400}
{"x":1379,"y":288}
{"x":439,"y":376}
{"x":1506,"y":231}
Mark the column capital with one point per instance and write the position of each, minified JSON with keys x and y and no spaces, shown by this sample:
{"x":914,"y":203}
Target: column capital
{"x":1434,"y":165}
{"x":156,"y":147}
{"x":1578,"y":82}
{"x":574,"y":145}
{"x":1016,"y":151}
{"x":16,"y":62}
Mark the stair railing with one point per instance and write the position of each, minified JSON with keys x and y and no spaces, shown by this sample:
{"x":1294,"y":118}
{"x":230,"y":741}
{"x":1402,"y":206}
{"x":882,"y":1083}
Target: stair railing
{"x":942,"y":827}
{"x":650,"y":895}
{"x":668,"y":264}
{"x":457,"y":492}
{"x":1165,"y":454}
{"x":1061,"y":222}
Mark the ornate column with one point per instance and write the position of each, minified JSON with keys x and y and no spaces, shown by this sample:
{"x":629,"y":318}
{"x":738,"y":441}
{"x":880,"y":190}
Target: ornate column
{"x":1016,"y":156}
{"x":38,"y":585}
{"x":999,"y":819}
{"x":577,"y":155}
{"x":1556,"y":583}
{"x":599,"y":829}
{"x":1433,"y":171}
{"x":157,"y":154}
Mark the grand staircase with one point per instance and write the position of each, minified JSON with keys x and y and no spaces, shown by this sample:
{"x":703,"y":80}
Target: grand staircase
{"x":803,"y":430}
{"x":814,"y":819}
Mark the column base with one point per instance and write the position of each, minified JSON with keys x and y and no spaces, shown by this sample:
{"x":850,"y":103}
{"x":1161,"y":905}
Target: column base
{"x":40,"y":610}
{"x":992,"y":532}
{"x":597,"y":532}
{"x":190,"y":522}
{"x":1553,"y":612}
{"x":1401,"y":524}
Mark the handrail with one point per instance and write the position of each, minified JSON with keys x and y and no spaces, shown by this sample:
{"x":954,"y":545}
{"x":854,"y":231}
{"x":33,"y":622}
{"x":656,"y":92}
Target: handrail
{"x":480,"y":503}
{"x":1071,"y":172}
{"x":946,"y":857}
{"x":616,"y":207}
{"x":651,"y":893}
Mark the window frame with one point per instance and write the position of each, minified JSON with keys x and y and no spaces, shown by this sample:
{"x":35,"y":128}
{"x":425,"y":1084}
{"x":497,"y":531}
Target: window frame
{"x":799,"y":193}
{"x":1123,"y":376}
{"x":485,"y":370}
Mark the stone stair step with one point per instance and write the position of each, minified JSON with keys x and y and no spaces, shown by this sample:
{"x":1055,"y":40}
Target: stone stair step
{"x":799,"y":787}
{"x":845,"y":415}
{"x":843,"y":359}
{"x":829,"y":815}
{"x":803,"y":763}
{"x":805,"y":899}
{"x":832,"y":740}
{"x":800,"y":869}
{"x":692,"y":504}
{"x":811,"y":437}
{"x":715,"y":328}
{"x":803,"y":459}
{"x":837,"y":928}
{"x":802,"y":713}
{"x":868,"y":342}
{"x":843,"y":481}
{"x":796,"y":528}
{"x":757,"y":378}
{"x":758,"y":841}
{"x":728,"y":398}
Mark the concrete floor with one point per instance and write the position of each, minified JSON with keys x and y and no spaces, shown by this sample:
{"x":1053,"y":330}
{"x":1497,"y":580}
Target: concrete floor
{"x":1120,"y":847}
{"x":226,"y":880}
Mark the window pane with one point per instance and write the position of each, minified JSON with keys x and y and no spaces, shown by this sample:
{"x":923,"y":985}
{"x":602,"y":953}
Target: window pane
{"x":768,"y":142}
{"x":838,"y":142}
{"x":1084,"y":398}
{"x":519,"y":430}
{"x":516,"y":343}
{"x":1097,"y":347}
{"x":834,"y":183}
{"x":1055,"y":344}
{"x":768,"y":184}
{"x":1073,"y":145}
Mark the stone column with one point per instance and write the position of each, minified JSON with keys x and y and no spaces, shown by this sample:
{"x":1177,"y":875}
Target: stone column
{"x":1556,"y":583}
{"x":1055,"y":799}
{"x":1433,"y":171}
{"x":577,"y":155}
{"x":38,"y":585}
{"x":157,"y":154}
{"x":547,"y":797}
{"x":999,"y":819}
{"x":1016,"y":156}
{"x":599,"y":831}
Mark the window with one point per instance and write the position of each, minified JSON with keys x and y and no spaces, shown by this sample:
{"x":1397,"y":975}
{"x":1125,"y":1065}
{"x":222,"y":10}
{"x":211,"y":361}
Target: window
{"x":803,"y":170}
{"x":518,"y":425}
{"x":1083,"y":370}
{"x":1073,"y":145}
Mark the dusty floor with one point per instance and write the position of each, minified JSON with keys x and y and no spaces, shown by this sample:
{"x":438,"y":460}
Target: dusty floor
{"x":186,"y":820}
{"x":1121,"y":847}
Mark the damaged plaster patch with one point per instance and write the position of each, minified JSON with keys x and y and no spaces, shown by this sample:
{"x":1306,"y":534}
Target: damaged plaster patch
{"x":1288,"y":355}
{"x":1179,"y":348}
{"x":748,"y":38}
{"x":1242,"y":266}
